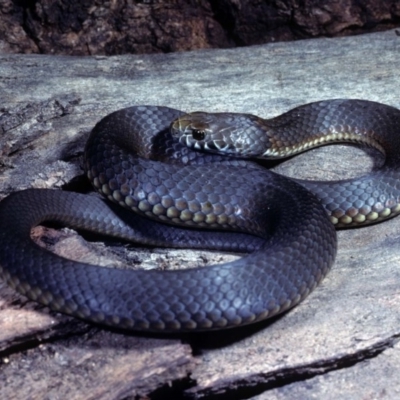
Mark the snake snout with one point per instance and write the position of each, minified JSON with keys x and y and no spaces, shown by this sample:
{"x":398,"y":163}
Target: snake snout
{"x":191,"y":130}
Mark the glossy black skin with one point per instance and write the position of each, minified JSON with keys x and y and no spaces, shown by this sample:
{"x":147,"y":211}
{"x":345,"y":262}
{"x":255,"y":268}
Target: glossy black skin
{"x":294,"y":248}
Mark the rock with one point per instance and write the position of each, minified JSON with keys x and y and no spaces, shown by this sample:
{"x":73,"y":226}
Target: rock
{"x":339,"y":342}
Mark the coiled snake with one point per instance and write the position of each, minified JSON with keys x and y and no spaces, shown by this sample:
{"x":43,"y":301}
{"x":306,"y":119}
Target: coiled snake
{"x":284,"y":226}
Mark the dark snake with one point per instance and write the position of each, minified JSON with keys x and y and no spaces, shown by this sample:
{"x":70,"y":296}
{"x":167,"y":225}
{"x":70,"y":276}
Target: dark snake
{"x":136,"y":161}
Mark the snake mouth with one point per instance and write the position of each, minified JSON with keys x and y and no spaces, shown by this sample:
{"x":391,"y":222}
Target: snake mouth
{"x":220,"y":146}
{"x":213,"y":146}
{"x":187,"y":135}
{"x":198,"y":136}
{"x":193,"y":143}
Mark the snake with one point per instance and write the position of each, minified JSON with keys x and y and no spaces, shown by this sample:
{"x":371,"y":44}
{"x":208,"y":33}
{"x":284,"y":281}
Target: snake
{"x":191,"y":181}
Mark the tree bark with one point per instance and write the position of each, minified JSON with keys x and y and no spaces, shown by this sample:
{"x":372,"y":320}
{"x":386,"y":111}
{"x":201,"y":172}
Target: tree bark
{"x":106,"y":27}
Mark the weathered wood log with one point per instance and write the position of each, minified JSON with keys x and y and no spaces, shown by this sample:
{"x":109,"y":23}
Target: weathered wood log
{"x":342,"y":339}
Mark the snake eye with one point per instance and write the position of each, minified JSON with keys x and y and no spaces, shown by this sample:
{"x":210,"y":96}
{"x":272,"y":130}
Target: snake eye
{"x":198,"y":134}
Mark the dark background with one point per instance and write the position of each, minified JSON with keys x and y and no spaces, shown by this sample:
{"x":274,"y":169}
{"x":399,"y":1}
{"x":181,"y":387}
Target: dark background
{"x":110,"y":27}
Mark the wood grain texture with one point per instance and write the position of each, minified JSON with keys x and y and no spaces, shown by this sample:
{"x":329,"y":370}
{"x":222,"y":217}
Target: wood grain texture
{"x":341,"y":340}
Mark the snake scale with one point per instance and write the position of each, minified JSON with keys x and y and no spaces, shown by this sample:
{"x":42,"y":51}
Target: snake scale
{"x":138,"y":158}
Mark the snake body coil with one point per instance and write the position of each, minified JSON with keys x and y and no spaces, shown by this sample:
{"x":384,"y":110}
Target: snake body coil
{"x":285,"y":226}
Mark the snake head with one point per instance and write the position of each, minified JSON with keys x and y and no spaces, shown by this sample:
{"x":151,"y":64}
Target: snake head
{"x":194,"y":130}
{"x":222,"y":133}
